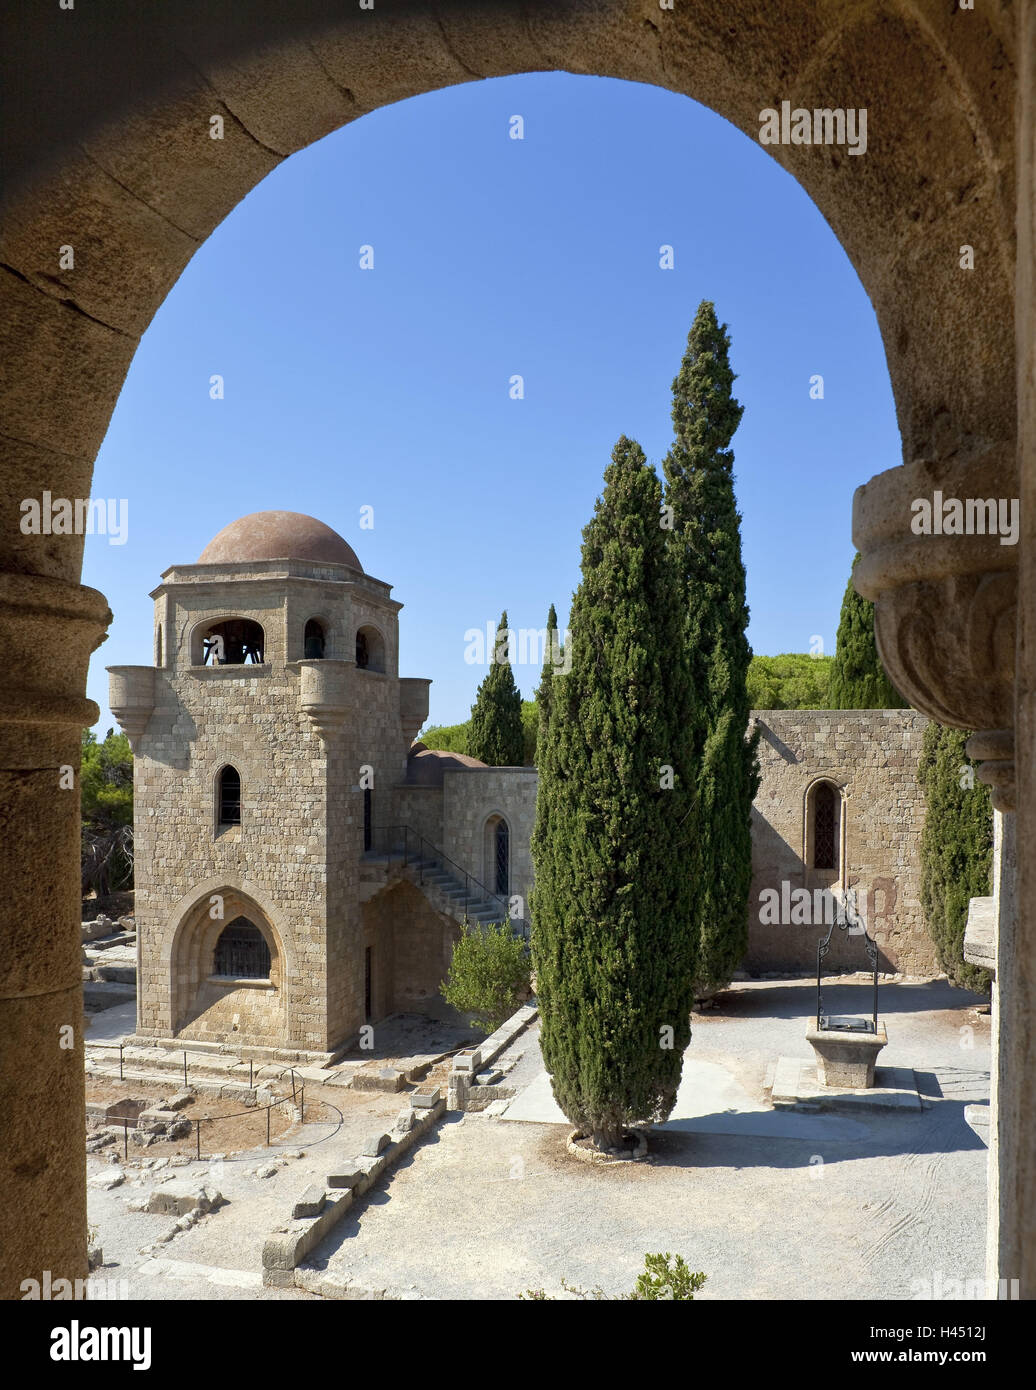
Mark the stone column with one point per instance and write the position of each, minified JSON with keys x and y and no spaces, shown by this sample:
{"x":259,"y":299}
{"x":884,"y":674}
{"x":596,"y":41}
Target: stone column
{"x":48,"y":628}
{"x":1005,"y":865}
{"x":1016,"y":972}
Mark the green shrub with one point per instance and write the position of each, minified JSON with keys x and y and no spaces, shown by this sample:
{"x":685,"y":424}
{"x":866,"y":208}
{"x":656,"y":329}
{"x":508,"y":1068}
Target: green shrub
{"x":489,"y":975}
{"x":956,"y":848}
{"x":660,"y":1280}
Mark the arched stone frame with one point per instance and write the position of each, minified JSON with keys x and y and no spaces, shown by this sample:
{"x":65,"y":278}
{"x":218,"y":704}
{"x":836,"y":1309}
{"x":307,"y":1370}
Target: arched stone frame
{"x":812,"y":876}
{"x":948,"y":339}
{"x":328,"y":628}
{"x":195,"y":638}
{"x":489,"y":851}
{"x":189,"y":937}
{"x":218,"y":823}
{"x":377,"y":648}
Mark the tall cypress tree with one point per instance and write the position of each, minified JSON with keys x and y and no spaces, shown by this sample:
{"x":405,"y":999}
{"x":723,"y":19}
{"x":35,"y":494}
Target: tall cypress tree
{"x":613,"y":934}
{"x":858,"y":679}
{"x":550,"y":651}
{"x":495,"y":732}
{"x":956,"y":848}
{"x":706,"y":540}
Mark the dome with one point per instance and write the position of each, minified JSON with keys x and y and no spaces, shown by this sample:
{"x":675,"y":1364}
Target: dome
{"x":426,"y":766}
{"x":278,"y":536}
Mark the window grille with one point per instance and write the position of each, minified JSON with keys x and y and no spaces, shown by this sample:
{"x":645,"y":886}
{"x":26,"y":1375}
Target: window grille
{"x":825,"y":827}
{"x":502,"y":857}
{"x":242,"y":952}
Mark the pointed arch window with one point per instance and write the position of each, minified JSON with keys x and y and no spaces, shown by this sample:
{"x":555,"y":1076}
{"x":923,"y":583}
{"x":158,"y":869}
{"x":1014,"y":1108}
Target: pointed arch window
{"x":242,"y":952}
{"x":502,"y":846}
{"x":826,"y":827}
{"x":228,"y":796}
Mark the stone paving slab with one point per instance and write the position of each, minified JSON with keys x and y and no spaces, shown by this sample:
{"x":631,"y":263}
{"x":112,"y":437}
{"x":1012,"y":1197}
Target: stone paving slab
{"x":795,"y":1086}
{"x":212,"y":1274}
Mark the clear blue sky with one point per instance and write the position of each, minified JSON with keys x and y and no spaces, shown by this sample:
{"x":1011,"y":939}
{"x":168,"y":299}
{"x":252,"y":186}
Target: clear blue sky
{"x":389,"y":387}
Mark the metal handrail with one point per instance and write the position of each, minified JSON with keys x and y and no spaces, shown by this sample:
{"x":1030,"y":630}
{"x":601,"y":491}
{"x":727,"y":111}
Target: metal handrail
{"x":437,"y":853}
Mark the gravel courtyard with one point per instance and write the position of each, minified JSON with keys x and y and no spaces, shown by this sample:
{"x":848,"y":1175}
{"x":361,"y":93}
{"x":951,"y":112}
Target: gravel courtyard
{"x":769,"y":1204}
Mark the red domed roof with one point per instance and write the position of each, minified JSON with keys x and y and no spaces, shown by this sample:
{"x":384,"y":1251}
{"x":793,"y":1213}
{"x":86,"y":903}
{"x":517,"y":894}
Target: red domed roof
{"x":278,"y":536}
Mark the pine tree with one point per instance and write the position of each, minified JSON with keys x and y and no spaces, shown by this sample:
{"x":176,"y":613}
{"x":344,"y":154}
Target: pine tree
{"x":858,"y":679}
{"x":706,"y":540}
{"x":956,"y":848}
{"x":495,"y":731}
{"x":613,"y":934}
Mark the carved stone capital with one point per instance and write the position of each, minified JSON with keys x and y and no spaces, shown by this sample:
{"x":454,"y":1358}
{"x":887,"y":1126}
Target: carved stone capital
{"x":945,"y":604}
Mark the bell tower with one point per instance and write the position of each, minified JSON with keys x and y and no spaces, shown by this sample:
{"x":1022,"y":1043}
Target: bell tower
{"x":275,"y":680}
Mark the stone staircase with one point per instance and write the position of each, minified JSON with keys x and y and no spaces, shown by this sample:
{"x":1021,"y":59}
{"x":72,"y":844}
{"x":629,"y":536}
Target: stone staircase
{"x":445,"y":890}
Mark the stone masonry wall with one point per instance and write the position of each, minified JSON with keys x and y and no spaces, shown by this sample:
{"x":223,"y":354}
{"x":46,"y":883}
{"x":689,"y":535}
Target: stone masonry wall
{"x":873,"y":756}
{"x":470,"y":798}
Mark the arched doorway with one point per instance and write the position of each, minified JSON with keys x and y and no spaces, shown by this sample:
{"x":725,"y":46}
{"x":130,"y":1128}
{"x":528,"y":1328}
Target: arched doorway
{"x":146,"y":192}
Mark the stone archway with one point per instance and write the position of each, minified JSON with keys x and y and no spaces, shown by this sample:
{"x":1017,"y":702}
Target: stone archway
{"x":204,"y":1002}
{"x":125,"y":173}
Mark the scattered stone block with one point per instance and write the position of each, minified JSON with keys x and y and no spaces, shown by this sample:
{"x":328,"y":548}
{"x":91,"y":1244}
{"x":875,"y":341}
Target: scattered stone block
{"x":348,"y":1178}
{"x":106,"y":1181}
{"x":178,"y":1198}
{"x":405,"y":1121}
{"x":488,"y":1078}
{"x":384,"y":1079}
{"x":311,"y":1203}
{"x":178,"y":1101}
{"x":95,"y":1257}
{"x":266,"y":1171}
{"x":375,"y":1144}
{"x":127,"y":1109}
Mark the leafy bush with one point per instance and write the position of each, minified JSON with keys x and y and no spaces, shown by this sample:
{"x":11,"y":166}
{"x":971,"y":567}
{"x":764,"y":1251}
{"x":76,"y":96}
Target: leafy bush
{"x":106,"y":782}
{"x":489,"y":975}
{"x":956,"y":848}
{"x":453,"y":738}
{"x":793,"y":680}
{"x":664,"y":1277}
